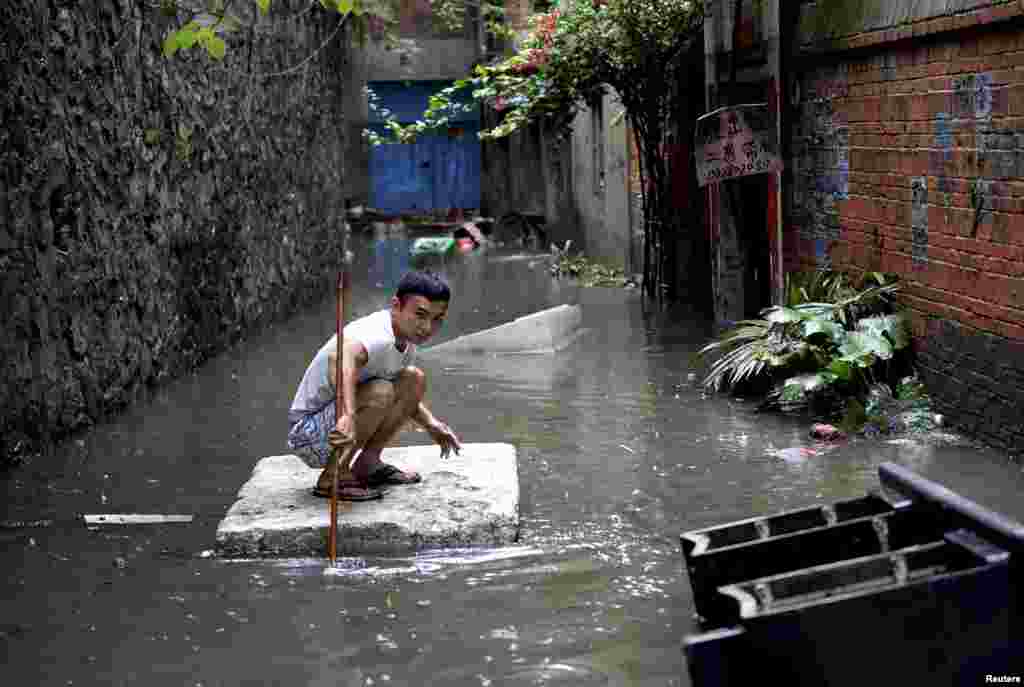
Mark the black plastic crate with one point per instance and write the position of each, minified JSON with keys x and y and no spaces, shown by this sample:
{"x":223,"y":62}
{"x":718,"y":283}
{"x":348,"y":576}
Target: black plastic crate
{"x":911,"y":585}
{"x":798,"y":539}
{"x":928,"y":614}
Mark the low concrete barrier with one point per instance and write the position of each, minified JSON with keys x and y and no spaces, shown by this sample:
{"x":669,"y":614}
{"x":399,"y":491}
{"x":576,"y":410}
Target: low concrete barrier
{"x":464,"y":500}
{"x":546,"y":331}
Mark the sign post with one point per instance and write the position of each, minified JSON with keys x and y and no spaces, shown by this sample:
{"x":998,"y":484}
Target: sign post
{"x":734,"y":142}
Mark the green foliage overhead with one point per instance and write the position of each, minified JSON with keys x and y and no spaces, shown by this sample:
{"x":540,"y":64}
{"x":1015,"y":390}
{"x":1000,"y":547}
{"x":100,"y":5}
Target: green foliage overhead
{"x":565,"y":59}
{"x":379,"y":15}
{"x":636,"y":49}
{"x":207,"y":28}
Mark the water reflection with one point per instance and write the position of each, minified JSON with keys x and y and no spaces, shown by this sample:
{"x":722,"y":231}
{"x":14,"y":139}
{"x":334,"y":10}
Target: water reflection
{"x":571,"y":581}
{"x":618,"y":453}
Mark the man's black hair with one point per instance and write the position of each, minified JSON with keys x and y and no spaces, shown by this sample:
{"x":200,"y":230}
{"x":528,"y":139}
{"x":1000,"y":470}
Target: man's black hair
{"x":430,"y":285}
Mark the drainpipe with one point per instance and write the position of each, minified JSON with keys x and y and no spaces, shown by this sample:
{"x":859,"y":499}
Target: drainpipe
{"x":631,"y":228}
{"x":713,"y":29}
{"x":773,"y":36}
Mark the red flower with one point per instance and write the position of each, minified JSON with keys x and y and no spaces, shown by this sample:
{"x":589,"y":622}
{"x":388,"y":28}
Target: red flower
{"x":525,"y":68}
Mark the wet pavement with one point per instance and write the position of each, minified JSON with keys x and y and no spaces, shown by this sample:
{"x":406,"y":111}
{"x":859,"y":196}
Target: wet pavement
{"x":618,"y":452}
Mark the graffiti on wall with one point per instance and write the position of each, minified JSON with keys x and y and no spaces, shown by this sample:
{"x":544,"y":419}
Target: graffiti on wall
{"x":972,"y":103}
{"x":821,"y":158}
{"x":942,"y":153}
{"x":919,"y":221}
{"x":972,"y":96}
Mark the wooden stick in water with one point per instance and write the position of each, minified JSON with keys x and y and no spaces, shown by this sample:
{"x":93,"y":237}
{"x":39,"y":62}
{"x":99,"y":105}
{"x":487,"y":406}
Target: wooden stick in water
{"x":343,"y":292}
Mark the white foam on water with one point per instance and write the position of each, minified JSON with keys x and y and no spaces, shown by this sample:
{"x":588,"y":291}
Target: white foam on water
{"x":429,"y":561}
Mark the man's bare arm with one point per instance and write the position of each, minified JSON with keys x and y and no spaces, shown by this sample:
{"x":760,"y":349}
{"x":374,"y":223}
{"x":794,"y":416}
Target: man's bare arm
{"x":423,"y":417}
{"x":354,"y":357}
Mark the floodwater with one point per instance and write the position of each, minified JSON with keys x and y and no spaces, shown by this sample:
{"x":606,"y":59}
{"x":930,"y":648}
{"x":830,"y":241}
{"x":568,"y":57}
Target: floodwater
{"x":618,"y":452}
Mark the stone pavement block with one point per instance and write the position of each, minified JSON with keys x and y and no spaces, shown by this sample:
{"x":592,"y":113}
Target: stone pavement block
{"x":464,"y":500}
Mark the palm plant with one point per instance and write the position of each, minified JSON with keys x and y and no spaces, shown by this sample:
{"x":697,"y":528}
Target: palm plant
{"x":831,"y":333}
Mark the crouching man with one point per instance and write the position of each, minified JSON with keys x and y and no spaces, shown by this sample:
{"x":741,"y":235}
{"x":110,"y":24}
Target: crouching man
{"x":381,"y":392}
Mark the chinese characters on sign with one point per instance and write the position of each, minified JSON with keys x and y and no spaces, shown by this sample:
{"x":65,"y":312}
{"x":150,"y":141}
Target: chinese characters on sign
{"x":736,"y":142}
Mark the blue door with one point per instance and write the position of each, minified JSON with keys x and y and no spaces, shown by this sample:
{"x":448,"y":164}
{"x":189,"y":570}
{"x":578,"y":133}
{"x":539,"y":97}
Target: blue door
{"x":439,"y":171}
{"x":403,"y":178}
{"x":456,"y":165}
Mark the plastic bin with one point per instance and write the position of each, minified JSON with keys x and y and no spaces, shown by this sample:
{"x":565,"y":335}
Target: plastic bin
{"x":788,"y":541}
{"x":916,"y":585}
{"x":929,"y":614}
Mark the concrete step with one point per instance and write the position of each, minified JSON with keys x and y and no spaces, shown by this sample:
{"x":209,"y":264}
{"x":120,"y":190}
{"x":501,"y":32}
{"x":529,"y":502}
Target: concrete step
{"x":546,"y":331}
{"x":465,"y":500}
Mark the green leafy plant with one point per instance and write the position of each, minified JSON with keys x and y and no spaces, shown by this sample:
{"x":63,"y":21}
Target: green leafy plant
{"x":205,"y":29}
{"x":208,"y":28}
{"x":906,"y":408}
{"x":589,"y":273}
{"x":809,"y":349}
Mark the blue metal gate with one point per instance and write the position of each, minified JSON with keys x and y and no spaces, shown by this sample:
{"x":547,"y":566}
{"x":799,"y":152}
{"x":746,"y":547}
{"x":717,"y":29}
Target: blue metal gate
{"x":439,"y":171}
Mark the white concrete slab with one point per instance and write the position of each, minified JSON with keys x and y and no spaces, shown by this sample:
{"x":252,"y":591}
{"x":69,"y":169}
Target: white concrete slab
{"x":546,"y":331}
{"x":465,"y":500}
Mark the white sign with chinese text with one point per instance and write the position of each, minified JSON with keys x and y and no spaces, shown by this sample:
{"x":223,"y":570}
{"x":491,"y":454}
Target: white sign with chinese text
{"x":736,"y":142}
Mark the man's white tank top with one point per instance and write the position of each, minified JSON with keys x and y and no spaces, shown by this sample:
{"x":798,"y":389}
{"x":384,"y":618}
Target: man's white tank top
{"x":384,"y":361}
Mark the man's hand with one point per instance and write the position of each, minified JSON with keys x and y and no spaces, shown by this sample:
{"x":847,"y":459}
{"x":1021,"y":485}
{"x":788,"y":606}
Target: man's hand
{"x":342,"y":439}
{"x":444,"y":437}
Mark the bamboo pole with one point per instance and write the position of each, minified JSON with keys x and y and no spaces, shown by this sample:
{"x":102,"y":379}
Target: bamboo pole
{"x":343,"y":298}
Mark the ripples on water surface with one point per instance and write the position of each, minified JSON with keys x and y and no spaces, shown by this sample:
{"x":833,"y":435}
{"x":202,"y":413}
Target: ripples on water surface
{"x":618,"y":454}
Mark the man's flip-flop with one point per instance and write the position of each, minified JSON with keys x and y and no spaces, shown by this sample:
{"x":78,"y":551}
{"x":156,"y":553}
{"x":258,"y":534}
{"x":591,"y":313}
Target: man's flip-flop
{"x":350,"y":491}
{"x":389,"y":474}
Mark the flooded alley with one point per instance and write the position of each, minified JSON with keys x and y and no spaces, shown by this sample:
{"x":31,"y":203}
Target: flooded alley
{"x":619,"y":452}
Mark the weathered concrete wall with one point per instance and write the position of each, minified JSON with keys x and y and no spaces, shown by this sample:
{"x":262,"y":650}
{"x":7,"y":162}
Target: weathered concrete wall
{"x":355,"y":106}
{"x":152,"y":210}
{"x":860,"y":23}
{"x":530,"y":172}
{"x":511,"y":178}
{"x":907,"y":159}
{"x":600,"y":183}
{"x":430,"y":51}
{"x":431,"y":59}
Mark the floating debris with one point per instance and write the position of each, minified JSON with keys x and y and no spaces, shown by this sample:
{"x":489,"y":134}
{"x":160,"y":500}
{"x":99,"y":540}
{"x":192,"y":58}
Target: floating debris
{"x":133,"y":519}
{"x":796,"y":453}
{"x":504,"y":633}
{"x":827,"y":432}
{"x":24,"y":524}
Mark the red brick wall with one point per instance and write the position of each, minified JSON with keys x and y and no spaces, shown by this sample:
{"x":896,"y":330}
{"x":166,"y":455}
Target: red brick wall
{"x":909,"y":158}
{"x":948,"y":116}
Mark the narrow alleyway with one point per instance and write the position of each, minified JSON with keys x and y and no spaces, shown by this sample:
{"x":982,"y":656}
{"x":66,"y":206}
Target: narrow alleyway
{"x":618,"y":453}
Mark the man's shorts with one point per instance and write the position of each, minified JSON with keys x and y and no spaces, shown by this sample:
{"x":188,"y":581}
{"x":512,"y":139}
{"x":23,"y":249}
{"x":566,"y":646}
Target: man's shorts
{"x":308,"y":436}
